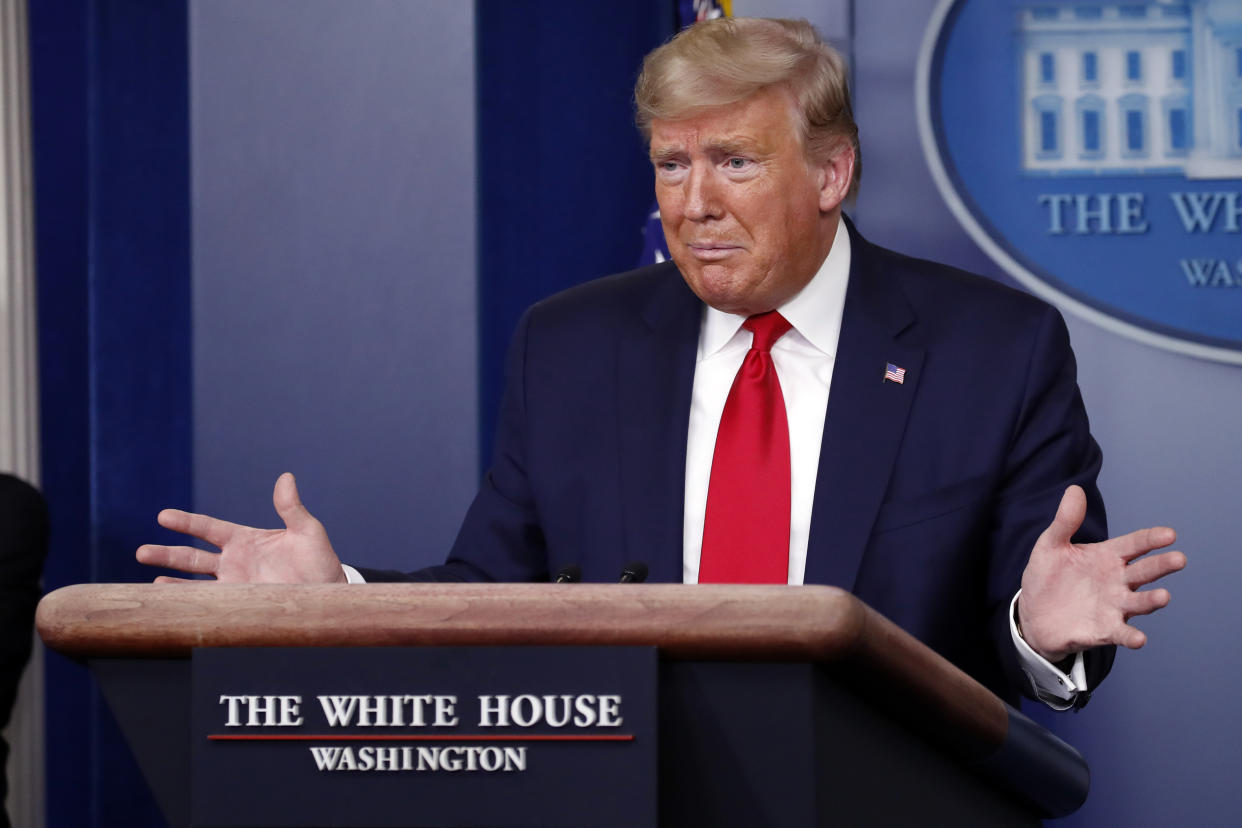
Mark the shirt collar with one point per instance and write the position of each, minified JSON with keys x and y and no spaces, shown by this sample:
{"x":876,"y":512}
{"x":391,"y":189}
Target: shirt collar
{"x":815,"y":311}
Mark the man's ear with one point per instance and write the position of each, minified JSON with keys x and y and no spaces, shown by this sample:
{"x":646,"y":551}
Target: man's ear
{"x":836,"y":175}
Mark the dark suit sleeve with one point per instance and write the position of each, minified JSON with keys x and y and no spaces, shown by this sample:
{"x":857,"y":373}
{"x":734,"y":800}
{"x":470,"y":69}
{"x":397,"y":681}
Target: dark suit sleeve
{"x":1051,"y":448}
{"x":23,"y":546}
{"x":500,"y":538}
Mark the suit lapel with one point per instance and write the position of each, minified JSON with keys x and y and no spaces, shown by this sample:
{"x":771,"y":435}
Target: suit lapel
{"x":865,"y":420}
{"x":655,"y":375}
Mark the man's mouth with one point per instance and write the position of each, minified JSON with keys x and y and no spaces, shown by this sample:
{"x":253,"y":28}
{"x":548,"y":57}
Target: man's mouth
{"x":712,"y":251}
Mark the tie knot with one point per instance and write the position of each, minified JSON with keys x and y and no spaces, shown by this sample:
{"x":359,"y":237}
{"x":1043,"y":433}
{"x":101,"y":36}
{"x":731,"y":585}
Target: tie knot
{"x":767,"y":328}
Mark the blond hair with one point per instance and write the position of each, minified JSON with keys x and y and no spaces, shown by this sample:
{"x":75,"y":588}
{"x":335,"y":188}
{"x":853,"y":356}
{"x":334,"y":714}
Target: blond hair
{"x":723,"y":61}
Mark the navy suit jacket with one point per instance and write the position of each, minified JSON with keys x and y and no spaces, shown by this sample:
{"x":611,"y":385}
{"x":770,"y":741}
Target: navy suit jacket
{"x":930,"y":493}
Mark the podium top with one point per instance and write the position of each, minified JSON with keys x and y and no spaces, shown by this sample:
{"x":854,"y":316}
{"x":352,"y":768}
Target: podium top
{"x":709,"y":621}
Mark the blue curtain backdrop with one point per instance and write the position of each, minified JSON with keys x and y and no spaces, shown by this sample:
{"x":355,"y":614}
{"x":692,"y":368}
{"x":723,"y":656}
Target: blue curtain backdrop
{"x":111,"y":172}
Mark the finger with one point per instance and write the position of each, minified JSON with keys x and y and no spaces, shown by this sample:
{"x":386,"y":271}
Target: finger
{"x":1146,"y":602}
{"x":1130,"y":637}
{"x":213,"y":530}
{"x":1153,"y":568}
{"x":289,"y":505}
{"x":1143,"y":541}
{"x":1069,"y":517}
{"x":181,"y":558}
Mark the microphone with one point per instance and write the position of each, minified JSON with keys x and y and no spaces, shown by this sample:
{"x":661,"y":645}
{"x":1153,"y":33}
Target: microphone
{"x":569,"y":575}
{"x":635,"y":572}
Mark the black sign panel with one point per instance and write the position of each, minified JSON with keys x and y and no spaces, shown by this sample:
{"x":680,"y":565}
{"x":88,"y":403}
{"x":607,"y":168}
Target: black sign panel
{"x":434,"y":736}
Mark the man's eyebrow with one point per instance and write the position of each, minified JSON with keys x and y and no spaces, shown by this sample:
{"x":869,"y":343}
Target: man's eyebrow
{"x":738,"y":146}
{"x":665,"y":153}
{"x":725,"y":146}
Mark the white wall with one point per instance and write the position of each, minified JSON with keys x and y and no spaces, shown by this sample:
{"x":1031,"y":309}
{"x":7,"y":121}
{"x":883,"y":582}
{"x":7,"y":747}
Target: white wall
{"x":334,"y":267}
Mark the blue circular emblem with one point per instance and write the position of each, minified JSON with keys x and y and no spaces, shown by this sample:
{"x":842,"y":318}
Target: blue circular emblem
{"x":1094,"y":151}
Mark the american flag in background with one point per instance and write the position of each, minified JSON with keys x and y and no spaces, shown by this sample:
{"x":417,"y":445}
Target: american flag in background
{"x":655,"y":250}
{"x":692,"y":11}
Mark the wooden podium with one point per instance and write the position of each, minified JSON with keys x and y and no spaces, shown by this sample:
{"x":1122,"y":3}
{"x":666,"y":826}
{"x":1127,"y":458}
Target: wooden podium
{"x":777,"y":705}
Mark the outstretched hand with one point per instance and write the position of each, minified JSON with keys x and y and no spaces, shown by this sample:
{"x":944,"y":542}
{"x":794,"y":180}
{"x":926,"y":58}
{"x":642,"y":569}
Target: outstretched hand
{"x":1081,"y":595}
{"x":299,"y":553}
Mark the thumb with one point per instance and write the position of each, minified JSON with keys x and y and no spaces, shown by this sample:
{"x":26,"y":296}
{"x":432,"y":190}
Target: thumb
{"x":289,"y":505}
{"x":1069,"y":517}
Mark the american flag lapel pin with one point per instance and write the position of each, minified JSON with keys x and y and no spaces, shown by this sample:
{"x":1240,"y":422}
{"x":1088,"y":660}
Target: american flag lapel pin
{"x":894,"y":374}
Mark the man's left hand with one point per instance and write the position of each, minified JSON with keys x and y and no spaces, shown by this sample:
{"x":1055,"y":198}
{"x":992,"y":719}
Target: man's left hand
{"x":1081,"y":595}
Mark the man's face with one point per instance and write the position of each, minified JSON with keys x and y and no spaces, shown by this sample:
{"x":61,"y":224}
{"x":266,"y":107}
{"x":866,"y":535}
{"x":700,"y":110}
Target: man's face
{"x":748,"y":219}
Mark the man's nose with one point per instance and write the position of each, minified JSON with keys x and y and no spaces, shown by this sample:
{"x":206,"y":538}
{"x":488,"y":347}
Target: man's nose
{"x":702,"y":194}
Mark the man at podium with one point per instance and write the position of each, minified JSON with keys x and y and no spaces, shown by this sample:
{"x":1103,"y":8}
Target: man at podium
{"x":785,"y":402}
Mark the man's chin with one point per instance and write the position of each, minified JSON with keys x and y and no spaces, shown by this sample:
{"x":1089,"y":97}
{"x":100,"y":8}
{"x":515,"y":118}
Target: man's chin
{"x":723,"y":297}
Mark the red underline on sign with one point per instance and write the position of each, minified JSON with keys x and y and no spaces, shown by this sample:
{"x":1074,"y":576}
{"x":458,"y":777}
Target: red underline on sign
{"x":392,"y":737}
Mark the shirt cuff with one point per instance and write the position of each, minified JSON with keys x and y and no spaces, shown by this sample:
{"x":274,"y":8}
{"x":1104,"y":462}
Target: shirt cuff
{"x":1051,"y":686}
{"x":352,"y":575}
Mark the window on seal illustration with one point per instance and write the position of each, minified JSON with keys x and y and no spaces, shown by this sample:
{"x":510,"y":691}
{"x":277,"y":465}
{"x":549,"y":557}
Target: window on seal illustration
{"x":1090,"y":67}
{"x":1090,"y":127}
{"x":1134,"y":65}
{"x":1047,"y":127}
{"x":1047,"y":68}
{"x":1048,"y":131}
{"x":1045,"y":12}
{"x":1179,"y":64}
{"x":1088,"y":12}
{"x":1177,"y":117}
{"x":1134,"y":130}
{"x":1091,"y":130}
{"x":1132,"y":11}
{"x":1133,"y":126}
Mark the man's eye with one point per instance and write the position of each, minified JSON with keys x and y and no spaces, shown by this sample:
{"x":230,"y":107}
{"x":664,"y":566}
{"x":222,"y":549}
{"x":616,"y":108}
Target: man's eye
{"x":736,"y":163}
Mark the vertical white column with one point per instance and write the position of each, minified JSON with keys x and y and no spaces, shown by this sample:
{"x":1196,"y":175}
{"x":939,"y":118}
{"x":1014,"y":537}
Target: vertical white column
{"x":1206,"y":94}
{"x":19,"y":422}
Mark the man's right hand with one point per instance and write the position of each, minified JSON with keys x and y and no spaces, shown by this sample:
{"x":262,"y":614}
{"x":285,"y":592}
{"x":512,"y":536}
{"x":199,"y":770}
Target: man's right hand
{"x":298,"y":554}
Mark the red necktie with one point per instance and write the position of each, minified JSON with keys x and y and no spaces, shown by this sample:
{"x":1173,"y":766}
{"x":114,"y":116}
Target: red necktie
{"x":746,"y":530}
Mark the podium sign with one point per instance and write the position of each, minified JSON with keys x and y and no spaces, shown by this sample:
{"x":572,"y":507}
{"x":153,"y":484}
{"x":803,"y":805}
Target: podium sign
{"x":434,"y":736}
{"x":534,"y":704}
